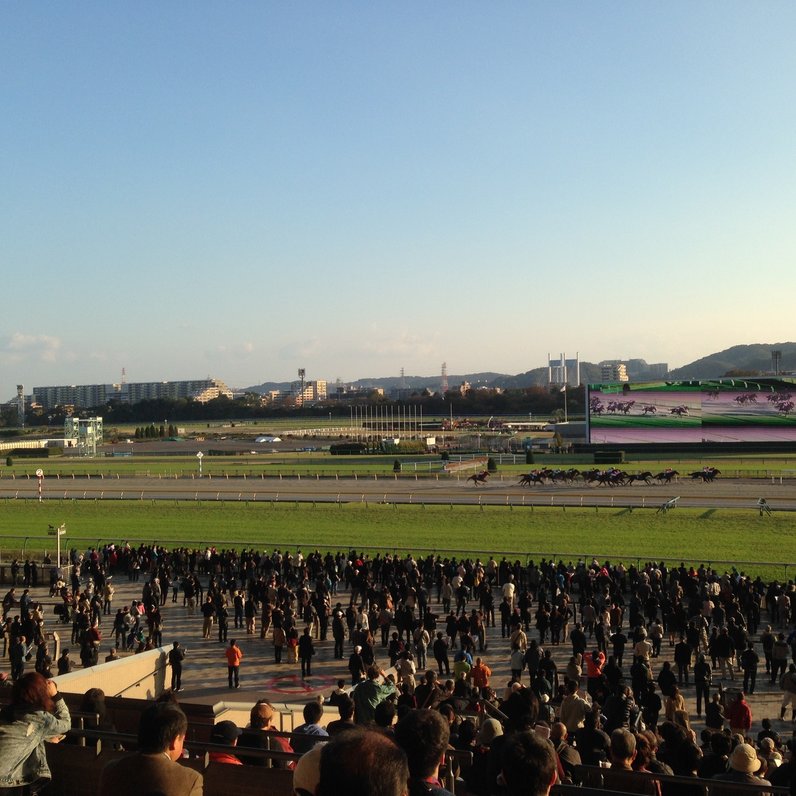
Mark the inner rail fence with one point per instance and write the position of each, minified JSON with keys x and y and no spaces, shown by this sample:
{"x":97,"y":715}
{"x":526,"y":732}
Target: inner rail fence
{"x":410,"y":471}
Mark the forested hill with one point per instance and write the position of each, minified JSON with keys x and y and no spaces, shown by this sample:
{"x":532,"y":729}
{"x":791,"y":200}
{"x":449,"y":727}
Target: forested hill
{"x":740,"y":360}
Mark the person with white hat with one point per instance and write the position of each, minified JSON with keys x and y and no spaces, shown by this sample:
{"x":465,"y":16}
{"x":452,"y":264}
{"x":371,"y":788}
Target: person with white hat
{"x":742,"y":765}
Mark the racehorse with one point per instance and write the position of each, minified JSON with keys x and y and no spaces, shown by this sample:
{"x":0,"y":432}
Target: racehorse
{"x":531,"y":479}
{"x":666,"y":476}
{"x":646,"y":477}
{"x":679,"y":410}
{"x":612,"y":477}
{"x":707,"y":474}
{"x":479,"y":478}
{"x":649,"y":409}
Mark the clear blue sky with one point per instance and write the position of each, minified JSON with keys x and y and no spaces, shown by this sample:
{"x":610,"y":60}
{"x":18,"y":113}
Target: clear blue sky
{"x":242,"y":189}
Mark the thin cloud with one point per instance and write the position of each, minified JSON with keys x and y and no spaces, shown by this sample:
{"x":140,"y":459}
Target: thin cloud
{"x":21,"y":347}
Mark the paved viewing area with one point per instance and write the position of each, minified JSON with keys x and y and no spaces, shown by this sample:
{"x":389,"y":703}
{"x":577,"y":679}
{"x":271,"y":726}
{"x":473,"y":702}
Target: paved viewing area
{"x":204,"y":677}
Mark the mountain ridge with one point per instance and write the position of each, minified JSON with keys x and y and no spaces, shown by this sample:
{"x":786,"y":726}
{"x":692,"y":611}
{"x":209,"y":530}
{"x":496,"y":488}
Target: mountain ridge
{"x":753,"y":359}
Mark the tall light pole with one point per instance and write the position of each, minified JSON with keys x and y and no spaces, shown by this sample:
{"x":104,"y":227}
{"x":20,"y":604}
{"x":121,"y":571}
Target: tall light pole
{"x":301,"y":374}
{"x":58,"y":533}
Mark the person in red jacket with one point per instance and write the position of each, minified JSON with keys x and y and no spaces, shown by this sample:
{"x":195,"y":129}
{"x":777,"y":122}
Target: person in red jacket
{"x":739,"y":715}
{"x":594,"y":671}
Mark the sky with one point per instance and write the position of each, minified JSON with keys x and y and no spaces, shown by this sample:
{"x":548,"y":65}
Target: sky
{"x":243,"y":189}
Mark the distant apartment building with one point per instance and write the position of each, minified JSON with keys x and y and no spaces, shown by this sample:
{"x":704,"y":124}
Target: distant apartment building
{"x":563,"y":371}
{"x":658,"y":370}
{"x":85,"y":396}
{"x":314,"y":392}
{"x":613,"y":372}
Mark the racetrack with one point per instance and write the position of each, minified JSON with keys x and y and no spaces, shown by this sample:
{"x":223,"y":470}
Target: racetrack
{"x":780,"y":494}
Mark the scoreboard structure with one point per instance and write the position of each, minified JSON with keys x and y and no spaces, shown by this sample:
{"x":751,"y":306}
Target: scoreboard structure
{"x":719,"y":410}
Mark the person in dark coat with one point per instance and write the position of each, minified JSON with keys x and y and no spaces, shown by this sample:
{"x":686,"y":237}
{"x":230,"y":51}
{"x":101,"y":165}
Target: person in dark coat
{"x":306,"y":649}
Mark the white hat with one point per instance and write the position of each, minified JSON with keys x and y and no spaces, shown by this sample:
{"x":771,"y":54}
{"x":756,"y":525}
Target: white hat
{"x":745,"y":759}
{"x":307,"y":773}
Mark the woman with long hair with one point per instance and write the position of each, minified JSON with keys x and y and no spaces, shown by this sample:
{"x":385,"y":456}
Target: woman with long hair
{"x":37,"y":713}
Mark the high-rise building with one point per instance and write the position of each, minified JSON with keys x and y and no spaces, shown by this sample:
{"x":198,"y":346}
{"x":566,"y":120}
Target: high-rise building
{"x":85,"y":396}
{"x":314,"y":392}
{"x":563,"y":371}
{"x":613,"y":372}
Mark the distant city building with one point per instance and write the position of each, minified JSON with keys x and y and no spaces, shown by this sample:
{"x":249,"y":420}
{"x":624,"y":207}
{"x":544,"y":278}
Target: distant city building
{"x":563,"y":371}
{"x":658,"y":370}
{"x":314,"y":392}
{"x":89,"y":395}
{"x":613,"y":371}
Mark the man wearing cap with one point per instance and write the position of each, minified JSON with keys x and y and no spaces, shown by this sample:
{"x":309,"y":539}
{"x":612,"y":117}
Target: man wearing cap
{"x":743,"y":764}
{"x":261,"y":734}
{"x":225,"y":733}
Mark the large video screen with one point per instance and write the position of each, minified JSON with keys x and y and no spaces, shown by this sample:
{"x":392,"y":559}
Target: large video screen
{"x":721,"y":410}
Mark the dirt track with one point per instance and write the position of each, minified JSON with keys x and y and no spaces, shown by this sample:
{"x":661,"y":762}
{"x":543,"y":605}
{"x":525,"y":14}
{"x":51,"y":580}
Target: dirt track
{"x":499,"y":490}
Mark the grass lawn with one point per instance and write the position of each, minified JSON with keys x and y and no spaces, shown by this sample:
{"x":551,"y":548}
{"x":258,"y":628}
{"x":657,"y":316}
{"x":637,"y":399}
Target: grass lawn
{"x":688,"y":535}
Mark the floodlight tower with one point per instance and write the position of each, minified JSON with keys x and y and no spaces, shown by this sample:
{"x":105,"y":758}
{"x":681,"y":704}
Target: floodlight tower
{"x":21,"y":405}
{"x":776,"y":362}
{"x":301,"y":374}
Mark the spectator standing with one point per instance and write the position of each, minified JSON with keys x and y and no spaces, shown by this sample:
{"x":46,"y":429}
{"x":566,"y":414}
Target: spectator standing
{"x":703,"y":676}
{"x":234,"y":656}
{"x":176,"y":657}
{"x":739,"y":715}
{"x":749,"y":660}
{"x":789,"y":693}
{"x":306,"y":650}
{"x":369,"y":693}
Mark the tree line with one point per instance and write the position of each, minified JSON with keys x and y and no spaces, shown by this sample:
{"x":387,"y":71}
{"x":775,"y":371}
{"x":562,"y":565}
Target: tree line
{"x":166,"y":413}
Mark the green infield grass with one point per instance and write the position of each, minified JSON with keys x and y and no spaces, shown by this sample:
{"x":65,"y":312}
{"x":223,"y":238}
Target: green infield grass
{"x":694,"y":536}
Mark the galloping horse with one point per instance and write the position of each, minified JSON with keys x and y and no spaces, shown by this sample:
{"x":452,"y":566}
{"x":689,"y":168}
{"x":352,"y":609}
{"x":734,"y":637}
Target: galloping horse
{"x":666,"y":476}
{"x":479,"y":478}
{"x":531,"y":479}
{"x":707,"y":474}
{"x":646,"y":477}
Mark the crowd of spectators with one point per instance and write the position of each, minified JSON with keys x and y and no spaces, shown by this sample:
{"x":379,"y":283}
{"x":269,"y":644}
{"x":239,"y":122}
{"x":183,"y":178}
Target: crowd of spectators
{"x":418,"y":640}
